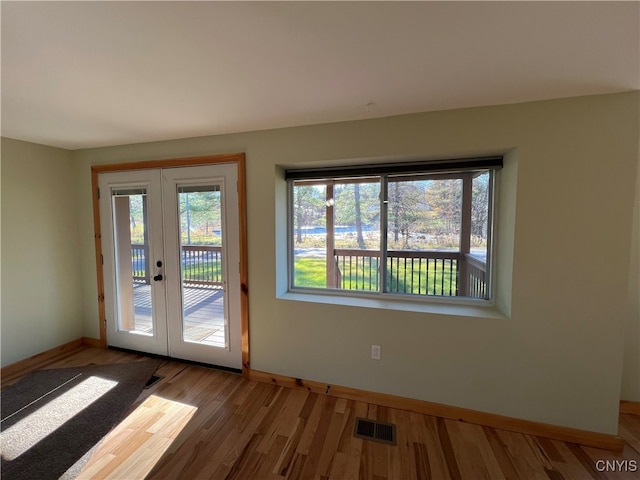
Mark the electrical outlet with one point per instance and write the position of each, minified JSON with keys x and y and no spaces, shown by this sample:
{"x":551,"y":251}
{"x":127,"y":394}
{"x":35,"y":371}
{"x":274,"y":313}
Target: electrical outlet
{"x":376,"y":352}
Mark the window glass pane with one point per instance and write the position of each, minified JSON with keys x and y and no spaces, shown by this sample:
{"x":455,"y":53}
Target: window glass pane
{"x":309,"y":235}
{"x":480,"y":216}
{"x":133,"y":285}
{"x":438,"y":229}
{"x":336,"y":234}
{"x":477,"y":270}
{"x":201,"y":268}
{"x":357,"y":235}
{"x":423,"y":236}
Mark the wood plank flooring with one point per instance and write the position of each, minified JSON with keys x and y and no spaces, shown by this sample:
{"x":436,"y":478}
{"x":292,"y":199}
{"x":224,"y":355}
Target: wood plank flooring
{"x":203,"y":423}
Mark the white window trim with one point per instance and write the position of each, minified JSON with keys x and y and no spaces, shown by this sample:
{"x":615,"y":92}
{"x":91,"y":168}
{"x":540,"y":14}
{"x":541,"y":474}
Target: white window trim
{"x":380,"y":299}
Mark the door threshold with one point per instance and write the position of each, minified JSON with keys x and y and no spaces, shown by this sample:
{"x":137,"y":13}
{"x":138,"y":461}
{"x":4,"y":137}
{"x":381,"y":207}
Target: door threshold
{"x":181,"y":360}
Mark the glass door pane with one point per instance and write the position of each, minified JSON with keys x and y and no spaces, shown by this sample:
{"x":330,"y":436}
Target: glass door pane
{"x":131,"y":255}
{"x":201,"y":238}
{"x":201,"y":243}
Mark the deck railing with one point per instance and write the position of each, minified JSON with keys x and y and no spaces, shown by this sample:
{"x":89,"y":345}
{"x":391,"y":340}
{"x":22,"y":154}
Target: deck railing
{"x":201,"y":264}
{"x":477,"y":270}
{"x":139,"y":264}
{"x":408,"y":271}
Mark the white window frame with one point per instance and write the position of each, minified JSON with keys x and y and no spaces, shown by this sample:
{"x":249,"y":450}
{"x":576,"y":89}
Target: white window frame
{"x":451,"y":168}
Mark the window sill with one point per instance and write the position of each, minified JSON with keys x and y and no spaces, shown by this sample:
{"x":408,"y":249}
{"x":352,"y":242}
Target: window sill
{"x":458,"y":307}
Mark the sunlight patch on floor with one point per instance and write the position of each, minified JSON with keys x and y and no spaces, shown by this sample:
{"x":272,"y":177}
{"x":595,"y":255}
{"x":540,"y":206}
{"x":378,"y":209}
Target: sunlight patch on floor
{"x":142,"y":439}
{"x":26,"y":433}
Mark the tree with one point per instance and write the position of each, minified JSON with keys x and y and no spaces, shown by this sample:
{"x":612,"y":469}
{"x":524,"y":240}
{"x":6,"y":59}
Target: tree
{"x":480,"y":206}
{"x":200,"y":213}
{"x":357,"y":205}
{"x":356,"y":199}
{"x":445,"y":203}
{"x":309,"y":204}
{"x":137,"y":218}
{"x":407,"y":209}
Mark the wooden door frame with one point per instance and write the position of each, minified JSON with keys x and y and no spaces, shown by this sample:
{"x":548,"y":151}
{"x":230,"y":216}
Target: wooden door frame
{"x":239,"y":160}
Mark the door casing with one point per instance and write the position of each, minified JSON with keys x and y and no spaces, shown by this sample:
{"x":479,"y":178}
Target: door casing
{"x":239,"y":160}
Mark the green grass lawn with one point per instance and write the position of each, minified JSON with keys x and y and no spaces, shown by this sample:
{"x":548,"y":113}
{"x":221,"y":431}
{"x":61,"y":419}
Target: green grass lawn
{"x":210,"y":271}
{"x":311,"y":272}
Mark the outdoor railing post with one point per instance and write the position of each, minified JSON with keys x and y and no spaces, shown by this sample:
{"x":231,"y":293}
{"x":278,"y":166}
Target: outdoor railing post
{"x":330,"y":240}
{"x":465,"y":235}
{"x":338,"y":274}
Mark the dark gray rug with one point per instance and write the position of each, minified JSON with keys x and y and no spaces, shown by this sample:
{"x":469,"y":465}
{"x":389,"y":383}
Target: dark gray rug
{"x":52,"y":419}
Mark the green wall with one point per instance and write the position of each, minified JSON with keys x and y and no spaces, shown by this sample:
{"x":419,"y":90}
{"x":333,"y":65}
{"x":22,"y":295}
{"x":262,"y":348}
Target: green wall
{"x":41,"y":306}
{"x":631,"y":367}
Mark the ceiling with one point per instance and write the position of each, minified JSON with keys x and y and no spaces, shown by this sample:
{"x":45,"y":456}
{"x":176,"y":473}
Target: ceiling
{"x":89,"y":74}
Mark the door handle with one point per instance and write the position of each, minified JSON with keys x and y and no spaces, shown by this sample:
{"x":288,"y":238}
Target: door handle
{"x":158,"y":277}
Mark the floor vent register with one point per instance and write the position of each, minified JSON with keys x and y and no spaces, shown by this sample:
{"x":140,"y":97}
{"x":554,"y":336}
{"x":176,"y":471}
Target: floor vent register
{"x":375,"y":431}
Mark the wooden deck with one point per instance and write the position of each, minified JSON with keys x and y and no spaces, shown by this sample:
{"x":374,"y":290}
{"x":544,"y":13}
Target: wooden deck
{"x":203,"y":313}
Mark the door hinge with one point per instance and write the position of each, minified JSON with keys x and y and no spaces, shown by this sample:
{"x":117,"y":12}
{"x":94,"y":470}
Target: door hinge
{"x":102,"y":259}
{"x":98,"y":193}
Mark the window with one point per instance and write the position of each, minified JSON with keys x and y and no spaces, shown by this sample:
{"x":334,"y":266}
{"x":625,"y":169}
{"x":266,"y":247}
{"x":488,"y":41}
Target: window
{"x":414,"y":229}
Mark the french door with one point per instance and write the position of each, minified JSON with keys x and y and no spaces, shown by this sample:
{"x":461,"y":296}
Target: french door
{"x":170,"y":243}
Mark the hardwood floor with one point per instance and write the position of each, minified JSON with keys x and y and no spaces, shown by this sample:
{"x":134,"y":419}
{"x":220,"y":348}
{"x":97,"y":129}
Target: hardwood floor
{"x":204,"y":423}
